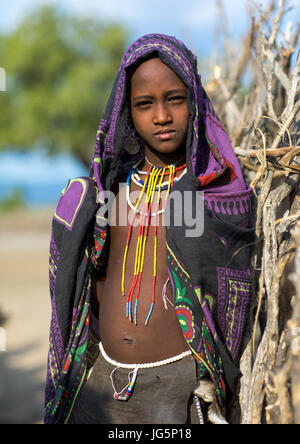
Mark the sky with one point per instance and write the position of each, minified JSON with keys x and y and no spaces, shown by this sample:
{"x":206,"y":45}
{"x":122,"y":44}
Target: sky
{"x":193,"y":21}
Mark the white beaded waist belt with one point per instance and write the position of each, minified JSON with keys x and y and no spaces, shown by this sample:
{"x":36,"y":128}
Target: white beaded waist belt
{"x":135,"y":368}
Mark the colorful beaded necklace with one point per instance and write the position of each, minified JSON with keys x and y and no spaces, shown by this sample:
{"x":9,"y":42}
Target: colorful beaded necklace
{"x":151,"y":184}
{"x":135,"y":177}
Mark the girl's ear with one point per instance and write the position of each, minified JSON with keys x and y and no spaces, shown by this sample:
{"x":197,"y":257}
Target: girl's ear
{"x":130,"y":120}
{"x":128,"y":100}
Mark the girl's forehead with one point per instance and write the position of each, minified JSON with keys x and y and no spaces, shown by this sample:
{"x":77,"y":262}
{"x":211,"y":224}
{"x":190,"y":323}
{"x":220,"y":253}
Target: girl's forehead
{"x":154,"y":72}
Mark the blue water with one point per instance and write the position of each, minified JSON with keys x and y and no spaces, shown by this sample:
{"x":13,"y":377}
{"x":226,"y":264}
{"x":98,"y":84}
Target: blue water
{"x":34,"y":195}
{"x":38,"y":176}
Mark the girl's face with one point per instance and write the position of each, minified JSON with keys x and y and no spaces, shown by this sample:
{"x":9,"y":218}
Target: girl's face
{"x":159,"y":107}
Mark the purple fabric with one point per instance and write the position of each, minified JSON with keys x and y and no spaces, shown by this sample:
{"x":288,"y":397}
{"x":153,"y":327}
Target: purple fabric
{"x":233,"y":298}
{"x":70,"y":202}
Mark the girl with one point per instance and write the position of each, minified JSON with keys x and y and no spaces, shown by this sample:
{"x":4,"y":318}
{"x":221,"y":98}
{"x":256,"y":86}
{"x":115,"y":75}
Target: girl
{"x":166,"y":309}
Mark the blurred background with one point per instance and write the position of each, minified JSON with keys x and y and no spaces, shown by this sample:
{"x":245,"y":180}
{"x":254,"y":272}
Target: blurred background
{"x":58,"y":60}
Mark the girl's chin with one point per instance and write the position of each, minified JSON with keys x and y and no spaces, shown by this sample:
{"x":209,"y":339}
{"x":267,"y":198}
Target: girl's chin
{"x":165,"y":148}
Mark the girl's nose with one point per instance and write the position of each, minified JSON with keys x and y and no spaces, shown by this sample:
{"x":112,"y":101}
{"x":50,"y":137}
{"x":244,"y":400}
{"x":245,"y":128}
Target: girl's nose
{"x":162,"y":114}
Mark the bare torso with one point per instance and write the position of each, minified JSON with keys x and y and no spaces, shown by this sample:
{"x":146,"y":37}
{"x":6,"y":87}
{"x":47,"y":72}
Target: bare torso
{"x":123,"y":340}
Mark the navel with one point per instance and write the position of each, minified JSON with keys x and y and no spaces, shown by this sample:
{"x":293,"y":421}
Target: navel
{"x":128,"y":340}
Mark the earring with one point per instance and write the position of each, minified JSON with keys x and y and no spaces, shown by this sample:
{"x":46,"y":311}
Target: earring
{"x":132,"y":145}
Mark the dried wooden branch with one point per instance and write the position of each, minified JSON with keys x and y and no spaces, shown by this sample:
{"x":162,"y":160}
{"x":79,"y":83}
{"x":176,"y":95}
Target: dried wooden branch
{"x":264,"y":127}
{"x":294,"y":330}
{"x":270,"y":152}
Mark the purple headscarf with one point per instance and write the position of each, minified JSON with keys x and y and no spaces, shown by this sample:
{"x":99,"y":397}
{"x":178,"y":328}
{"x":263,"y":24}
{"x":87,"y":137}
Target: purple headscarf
{"x":210,"y":156}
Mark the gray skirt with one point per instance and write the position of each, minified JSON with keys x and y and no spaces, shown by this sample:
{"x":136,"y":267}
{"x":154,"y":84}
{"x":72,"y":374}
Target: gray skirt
{"x":161,"y":395}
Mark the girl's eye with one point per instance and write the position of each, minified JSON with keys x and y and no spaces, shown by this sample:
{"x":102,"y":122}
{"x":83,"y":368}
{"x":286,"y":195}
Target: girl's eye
{"x":143,"y":104}
{"x":177,"y":99}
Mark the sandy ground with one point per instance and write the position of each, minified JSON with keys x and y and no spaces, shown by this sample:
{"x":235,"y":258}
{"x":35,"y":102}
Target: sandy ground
{"x":25,"y":300}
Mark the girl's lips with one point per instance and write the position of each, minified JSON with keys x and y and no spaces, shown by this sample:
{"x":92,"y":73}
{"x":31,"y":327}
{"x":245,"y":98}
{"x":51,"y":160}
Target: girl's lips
{"x":165,"y":135}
